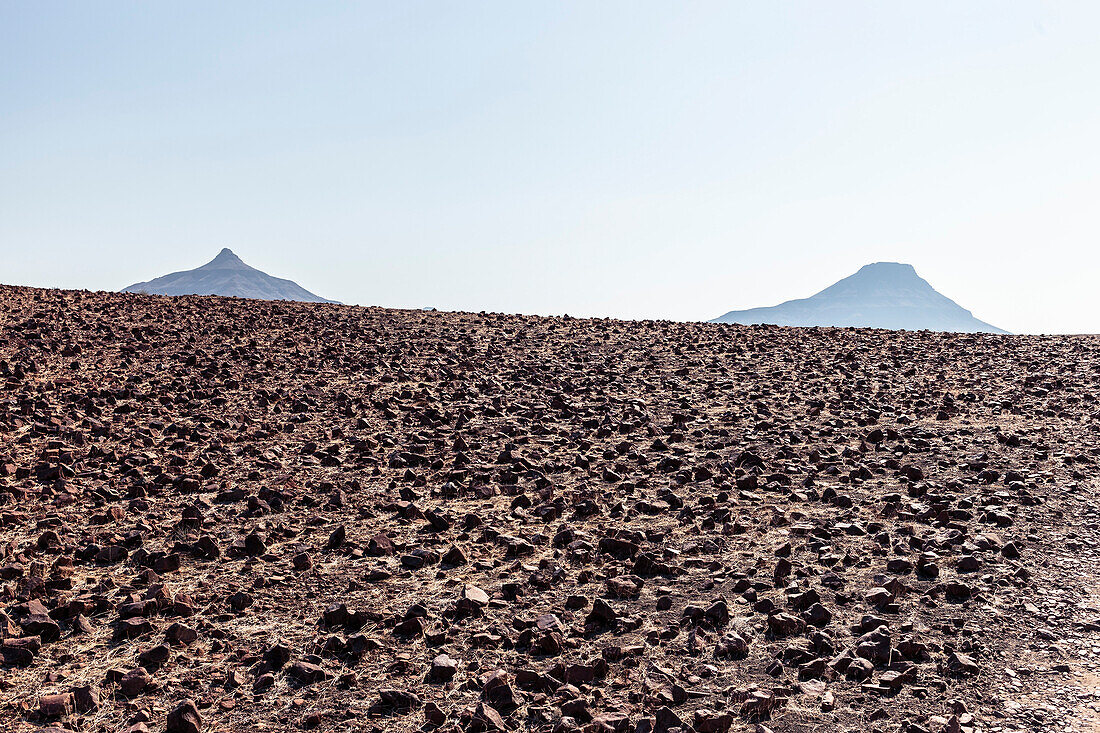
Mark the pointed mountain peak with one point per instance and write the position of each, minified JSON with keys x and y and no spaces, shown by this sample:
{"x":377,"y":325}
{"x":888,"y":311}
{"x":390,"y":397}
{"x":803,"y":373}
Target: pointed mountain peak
{"x":226,"y":258}
{"x":227,"y":274}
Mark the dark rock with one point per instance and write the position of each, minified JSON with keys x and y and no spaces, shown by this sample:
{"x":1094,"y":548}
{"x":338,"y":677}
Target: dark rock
{"x":184,"y":718}
{"x":443,"y":669}
{"x":305,"y":673}
{"x":397,"y":700}
{"x":134,"y":682}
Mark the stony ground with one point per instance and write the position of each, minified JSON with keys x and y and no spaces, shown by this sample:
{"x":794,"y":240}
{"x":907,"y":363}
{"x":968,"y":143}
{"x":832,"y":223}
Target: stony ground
{"x":229,"y":515}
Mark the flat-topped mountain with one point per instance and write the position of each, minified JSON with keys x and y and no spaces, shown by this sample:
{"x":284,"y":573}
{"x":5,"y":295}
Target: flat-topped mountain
{"x":227,"y":274}
{"x":881,"y":295}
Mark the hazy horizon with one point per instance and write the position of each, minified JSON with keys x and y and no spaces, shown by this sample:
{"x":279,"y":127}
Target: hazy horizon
{"x":635,"y":160}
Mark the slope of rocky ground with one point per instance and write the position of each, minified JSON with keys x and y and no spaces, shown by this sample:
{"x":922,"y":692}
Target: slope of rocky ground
{"x":231,"y":515}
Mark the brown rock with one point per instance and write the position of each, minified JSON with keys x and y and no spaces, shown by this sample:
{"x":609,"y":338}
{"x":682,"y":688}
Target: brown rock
{"x":85,"y":698}
{"x":134,"y":682}
{"x":55,"y":706}
{"x":184,"y":718}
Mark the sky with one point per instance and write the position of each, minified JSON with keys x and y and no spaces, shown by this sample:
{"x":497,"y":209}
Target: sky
{"x":635,"y":159}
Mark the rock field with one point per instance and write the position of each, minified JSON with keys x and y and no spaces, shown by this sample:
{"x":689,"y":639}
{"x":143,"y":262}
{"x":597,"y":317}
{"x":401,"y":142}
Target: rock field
{"x":233,"y":515}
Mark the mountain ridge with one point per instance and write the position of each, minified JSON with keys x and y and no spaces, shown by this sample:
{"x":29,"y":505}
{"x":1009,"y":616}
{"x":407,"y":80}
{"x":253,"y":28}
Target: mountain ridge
{"x":879,"y":295}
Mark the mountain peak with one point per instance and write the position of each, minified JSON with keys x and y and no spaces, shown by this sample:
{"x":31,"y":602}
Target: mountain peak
{"x":226,"y":258}
{"x":227,"y":274}
{"x":896,"y":272}
{"x":874,"y":267}
{"x":879,"y":295}
{"x":882,"y":277}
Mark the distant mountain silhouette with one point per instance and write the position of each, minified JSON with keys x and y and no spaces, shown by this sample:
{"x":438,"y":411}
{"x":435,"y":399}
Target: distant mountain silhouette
{"x":226,"y":274}
{"x":881,"y":295}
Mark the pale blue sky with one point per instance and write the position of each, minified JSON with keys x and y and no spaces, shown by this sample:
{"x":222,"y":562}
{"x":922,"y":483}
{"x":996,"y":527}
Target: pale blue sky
{"x":633,"y":159}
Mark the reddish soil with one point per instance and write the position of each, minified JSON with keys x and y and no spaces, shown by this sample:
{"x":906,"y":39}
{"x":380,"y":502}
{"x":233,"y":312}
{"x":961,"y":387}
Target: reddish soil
{"x":232,"y":515}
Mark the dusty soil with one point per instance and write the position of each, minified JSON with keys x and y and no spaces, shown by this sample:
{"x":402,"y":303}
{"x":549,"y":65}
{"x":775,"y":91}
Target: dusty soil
{"x":320,"y":516}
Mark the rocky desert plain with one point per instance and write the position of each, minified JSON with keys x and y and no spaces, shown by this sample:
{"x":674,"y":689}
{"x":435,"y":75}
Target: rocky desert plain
{"x":233,"y":515}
